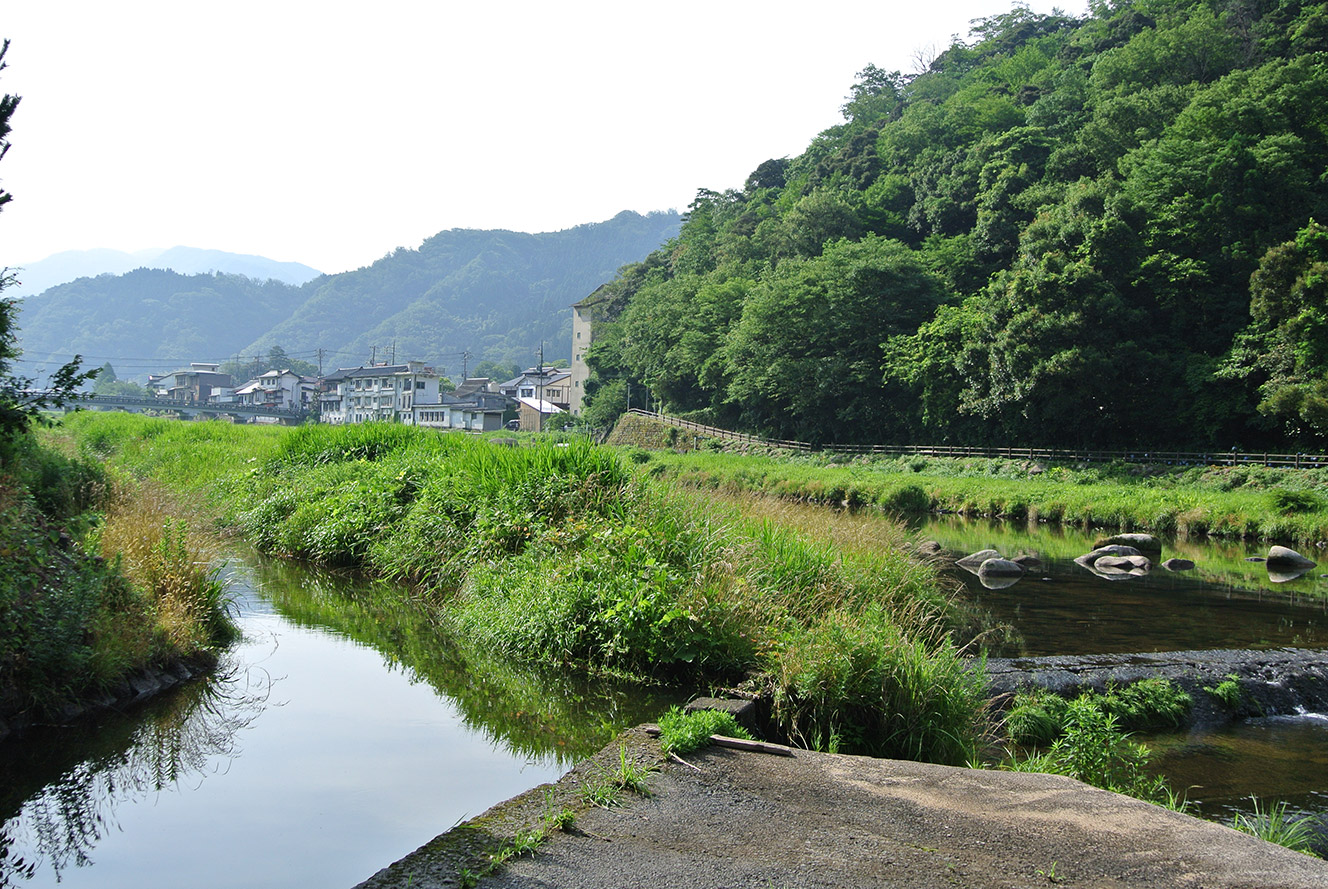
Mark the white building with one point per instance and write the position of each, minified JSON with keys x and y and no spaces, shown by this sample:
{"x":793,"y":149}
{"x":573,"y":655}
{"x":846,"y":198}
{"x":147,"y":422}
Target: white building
{"x":378,"y":392}
{"x":477,"y":412}
{"x":284,"y":389}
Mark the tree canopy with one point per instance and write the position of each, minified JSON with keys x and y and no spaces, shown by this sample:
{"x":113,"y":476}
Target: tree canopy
{"x":1063,"y":231}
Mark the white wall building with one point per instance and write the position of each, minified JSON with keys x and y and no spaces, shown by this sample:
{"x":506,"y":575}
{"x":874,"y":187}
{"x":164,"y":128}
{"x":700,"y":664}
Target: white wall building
{"x":378,"y":392}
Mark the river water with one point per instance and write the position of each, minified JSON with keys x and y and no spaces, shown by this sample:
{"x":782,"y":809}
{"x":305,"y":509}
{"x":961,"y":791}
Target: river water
{"x":340,"y":735}
{"x":1226,"y":601}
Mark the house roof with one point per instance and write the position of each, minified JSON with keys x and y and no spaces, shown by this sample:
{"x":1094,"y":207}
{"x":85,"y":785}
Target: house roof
{"x":544,"y":407}
{"x":533,"y":377}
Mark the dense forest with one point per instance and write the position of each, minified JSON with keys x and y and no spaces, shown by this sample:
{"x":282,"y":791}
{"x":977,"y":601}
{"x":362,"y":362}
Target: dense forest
{"x":494,"y":294}
{"x":1064,"y":231}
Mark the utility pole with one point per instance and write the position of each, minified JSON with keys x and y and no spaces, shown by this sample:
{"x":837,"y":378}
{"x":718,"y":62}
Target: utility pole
{"x":539,"y":391}
{"x":465,"y":362}
{"x":394,"y":352}
{"x":320,"y":362}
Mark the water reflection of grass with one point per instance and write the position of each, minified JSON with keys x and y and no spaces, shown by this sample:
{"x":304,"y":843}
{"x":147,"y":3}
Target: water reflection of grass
{"x":1218,"y":563}
{"x":531,"y":711}
{"x":60,"y":789}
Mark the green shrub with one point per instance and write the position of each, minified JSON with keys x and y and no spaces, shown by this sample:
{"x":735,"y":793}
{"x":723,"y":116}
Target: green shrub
{"x":1228,"y":691}
{"x":1037,"y":717}
{"x":1095,"y":751}
{"x":681,"y":732}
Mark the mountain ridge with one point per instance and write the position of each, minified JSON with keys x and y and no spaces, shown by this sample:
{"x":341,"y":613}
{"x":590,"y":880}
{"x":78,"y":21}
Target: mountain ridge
{"x":37,"y":277}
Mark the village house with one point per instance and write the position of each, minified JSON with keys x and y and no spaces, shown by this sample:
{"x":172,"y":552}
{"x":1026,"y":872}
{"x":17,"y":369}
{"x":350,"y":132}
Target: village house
{"x":193,"y":384}
{"x":281,"y":389}
{"x":551,"y":384}
{"x":474,"y":412}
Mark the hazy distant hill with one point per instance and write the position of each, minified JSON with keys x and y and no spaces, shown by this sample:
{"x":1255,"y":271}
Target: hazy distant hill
{"x":497,"y":294}
{"x":70,"y":265}
{"x":151,"y":314}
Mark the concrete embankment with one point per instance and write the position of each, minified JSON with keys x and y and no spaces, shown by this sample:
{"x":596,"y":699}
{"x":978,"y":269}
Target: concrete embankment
{"x":729,"y":819}
{"x":1278,"y":682}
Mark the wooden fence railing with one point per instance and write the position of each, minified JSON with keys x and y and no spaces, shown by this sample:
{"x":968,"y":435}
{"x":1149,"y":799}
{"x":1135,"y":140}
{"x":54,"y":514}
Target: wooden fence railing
{"x":1170,"y":458}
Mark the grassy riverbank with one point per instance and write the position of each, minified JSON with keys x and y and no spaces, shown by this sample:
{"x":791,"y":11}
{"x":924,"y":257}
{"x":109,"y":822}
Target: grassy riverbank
{"x":560,"y":554}
{"x":100,"y":581}
{"x":1284,"y":505}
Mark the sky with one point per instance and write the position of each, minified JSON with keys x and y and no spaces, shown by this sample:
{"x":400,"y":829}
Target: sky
{"x":331,"y":133}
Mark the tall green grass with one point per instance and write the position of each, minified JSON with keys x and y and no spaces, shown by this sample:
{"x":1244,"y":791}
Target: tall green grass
{"x":92,"y":589}
{"x":1219,"y":501}
{"x":558,"y":553}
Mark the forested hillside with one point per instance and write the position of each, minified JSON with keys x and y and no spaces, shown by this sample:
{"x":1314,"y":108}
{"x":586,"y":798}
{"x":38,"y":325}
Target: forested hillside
{"x":152,"y":313}
{"x":496,"y":294}
{"x":1067,"y":231}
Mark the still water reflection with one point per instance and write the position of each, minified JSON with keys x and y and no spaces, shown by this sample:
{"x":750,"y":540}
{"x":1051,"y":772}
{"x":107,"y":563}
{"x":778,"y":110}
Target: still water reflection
{"x":1064,"y":608}
{"x":339,"y":736}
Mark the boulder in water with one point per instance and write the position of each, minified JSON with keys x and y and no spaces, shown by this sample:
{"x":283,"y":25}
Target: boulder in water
{"x":1284,"y":559}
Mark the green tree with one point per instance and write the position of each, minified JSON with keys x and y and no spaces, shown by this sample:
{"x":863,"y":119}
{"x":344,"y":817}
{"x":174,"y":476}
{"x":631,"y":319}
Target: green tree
{"x":806,"y":358}
{"x":1285,"y":348}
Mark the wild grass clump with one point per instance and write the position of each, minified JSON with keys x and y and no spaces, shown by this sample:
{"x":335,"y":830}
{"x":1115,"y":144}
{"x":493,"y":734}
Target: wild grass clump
{"x":1273,"y":825}
{"x":1094,"y":750}
{"x":1038,"y":717}
{"x":73,"y":621}
{"x":173,"y":569}
{"x":854,"y":681}
{"x":681,"y":732}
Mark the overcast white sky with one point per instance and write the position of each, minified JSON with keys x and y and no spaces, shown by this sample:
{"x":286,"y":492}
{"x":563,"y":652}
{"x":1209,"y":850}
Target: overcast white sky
{"x":330,"y":132}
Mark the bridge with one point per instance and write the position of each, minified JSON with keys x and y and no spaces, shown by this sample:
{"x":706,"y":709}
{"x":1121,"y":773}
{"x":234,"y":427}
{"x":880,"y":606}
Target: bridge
{"x":187,"y":410}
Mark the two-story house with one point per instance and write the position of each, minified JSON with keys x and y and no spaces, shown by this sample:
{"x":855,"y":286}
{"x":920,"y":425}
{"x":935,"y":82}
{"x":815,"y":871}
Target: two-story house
{"x":551,"y":384}
{"x":193,"y":384}
{"x":283,"y":389}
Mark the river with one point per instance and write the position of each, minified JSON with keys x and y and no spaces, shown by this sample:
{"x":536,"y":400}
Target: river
{"x":1226,"y":601}
{"x":341,"y":734}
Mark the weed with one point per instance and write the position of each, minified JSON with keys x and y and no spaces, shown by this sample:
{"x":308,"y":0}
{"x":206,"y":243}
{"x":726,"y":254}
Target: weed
{"x":681,"y":732}
{"x":626,"y":775}
{"x":1094,"y":750}
{"x":603,"y":793}
{"x":1050,"y":874}
{"x":1228,"y":691}
{"x":632,"y":775}
{"x":1274,"y":826}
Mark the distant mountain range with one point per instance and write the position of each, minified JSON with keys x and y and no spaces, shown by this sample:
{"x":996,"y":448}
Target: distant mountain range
{"x":70,"y":265}
{"x":494,"y":295}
